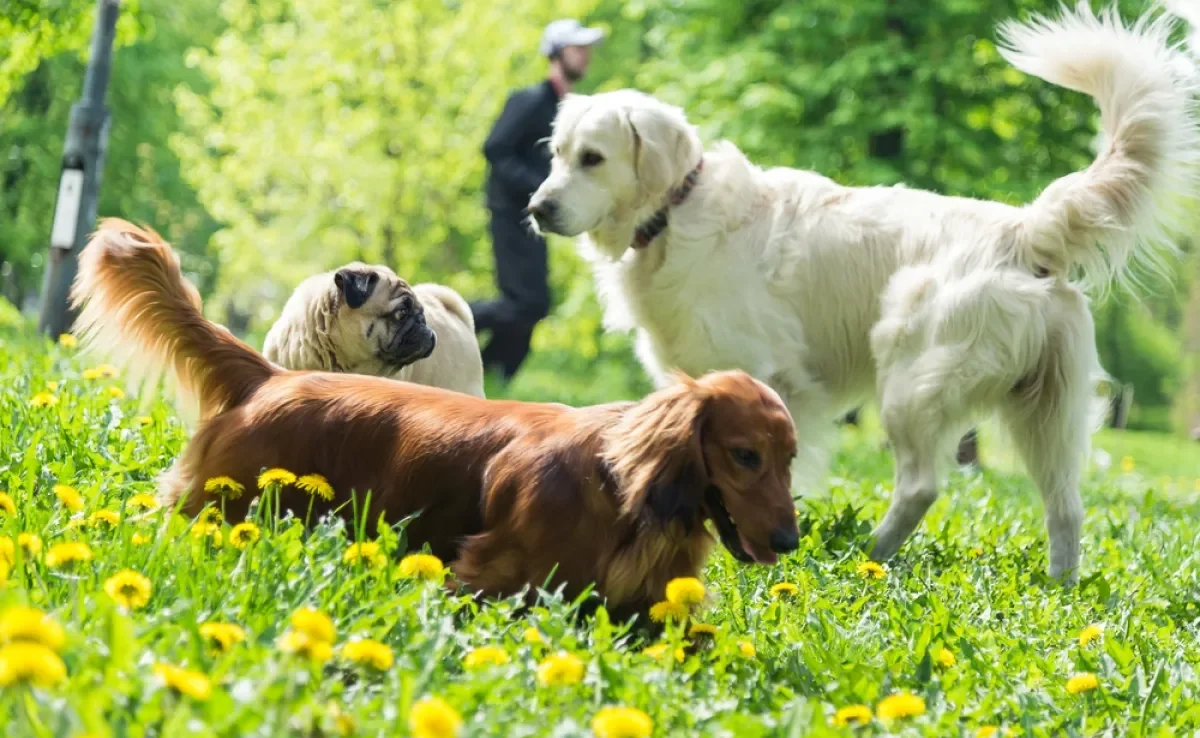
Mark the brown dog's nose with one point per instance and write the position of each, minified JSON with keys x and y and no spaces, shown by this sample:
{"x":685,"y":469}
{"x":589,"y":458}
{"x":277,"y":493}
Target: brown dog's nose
{"x":784,"y":540}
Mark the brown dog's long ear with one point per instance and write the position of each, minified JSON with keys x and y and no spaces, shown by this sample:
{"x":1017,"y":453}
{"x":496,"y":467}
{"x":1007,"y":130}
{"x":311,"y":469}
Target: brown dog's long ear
{"x":356,"y":285}
{"x":655,"y":453}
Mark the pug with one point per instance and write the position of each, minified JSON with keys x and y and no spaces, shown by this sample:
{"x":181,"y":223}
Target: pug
{"x":363,"y":319}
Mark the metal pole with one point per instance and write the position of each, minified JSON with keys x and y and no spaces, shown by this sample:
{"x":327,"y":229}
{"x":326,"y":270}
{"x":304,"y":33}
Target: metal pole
{"x":82,"y":167}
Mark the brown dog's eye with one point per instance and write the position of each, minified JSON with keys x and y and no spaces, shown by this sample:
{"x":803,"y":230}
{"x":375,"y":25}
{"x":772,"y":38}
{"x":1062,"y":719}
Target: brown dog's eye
{"x":748,"y":458}
{"x":591,"y":159}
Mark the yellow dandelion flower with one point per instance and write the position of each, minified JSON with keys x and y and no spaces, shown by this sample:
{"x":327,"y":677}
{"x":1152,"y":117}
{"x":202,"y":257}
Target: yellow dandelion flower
{"x":784,"y":589}
{"x":560,"y":669}
{"x":30,"y":662}
{"x":186,"y":682}
{"x":69,"y":498}
{"x":8,"y":550}
{"x":116,"y":393}
{"x":368,"y":652}
{"x":302,"y":644}
{"x":7,"y":504}
{"x":485,"y":656}
{"x":129,"y":589}
{"x":243,"y":535}
{"x":687,"y":591}
{"x":227,"y":487}
{"x":20,"y":624}
{"x":702,"y":630}
{"x":900,"y":705}
{"x":104,"y":518}
{"x":144,"y":501}
{"x":66,"y":554}
{"x":5,"y":568}
{"x":222,"y":636}
{"x":31,"y":542}
{"x":1127,"y":464}
{"x":421,"y":566}
{"x":343,"y":723}
{"x":975,"y":552}
{"x":91,"y":373}
{"x":209,"y":531}
{"x":533,"y":635}
{"x":746,"y":649}
{"x":944,"y":658}
{"x":138,"y":539}
{"x":871,"y":570}
{"x":1090,"y":633}
{"x":315,"y":624}
{"x":433,"y":717}
{"x":144,"y":420}
{"x":622,"y":722}
{"x":107,"y":370}
{"x":282,"y":477}
{"x":367,"y":553}
{"x":317,"y":485}
{"x":43,"y":399}
{"x":658,"y":650}
{"x":852,"y":715}
{"x":987,"y":731}
{"x":52,"y":386}
{"x":1081,"y":683}
{"x":664,"y":611}
{"x":211,"y":515}
{"x":66,"y":340}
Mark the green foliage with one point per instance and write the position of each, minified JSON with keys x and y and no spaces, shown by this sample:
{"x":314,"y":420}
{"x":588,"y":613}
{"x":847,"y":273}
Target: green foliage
{"x":969,"y":582}
{"x":353,"y":130}
{"x":142,"y":180}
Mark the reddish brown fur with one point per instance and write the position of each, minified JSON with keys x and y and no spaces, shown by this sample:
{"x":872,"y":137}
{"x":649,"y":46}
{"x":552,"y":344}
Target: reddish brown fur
{"x":509,"y":492}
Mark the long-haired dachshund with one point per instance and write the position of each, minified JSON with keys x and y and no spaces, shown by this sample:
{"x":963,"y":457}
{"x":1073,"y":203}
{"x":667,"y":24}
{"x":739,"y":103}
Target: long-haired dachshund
{"x":513,"y":493}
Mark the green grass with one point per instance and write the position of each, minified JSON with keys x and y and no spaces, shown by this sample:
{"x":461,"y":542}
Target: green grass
{"x":970,"y":582}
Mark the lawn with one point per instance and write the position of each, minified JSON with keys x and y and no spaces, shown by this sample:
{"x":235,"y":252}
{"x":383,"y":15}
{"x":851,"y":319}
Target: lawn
{"x":960,"y":633}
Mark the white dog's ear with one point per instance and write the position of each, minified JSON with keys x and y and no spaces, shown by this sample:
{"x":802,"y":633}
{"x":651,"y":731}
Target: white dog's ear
{"x":665,"y":147}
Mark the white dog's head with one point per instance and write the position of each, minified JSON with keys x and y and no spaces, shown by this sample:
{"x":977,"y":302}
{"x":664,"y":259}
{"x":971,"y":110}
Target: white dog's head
{"x":616,"y":157}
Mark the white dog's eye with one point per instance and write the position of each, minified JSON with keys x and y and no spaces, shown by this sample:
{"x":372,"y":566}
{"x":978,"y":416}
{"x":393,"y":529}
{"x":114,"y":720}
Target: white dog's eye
{"x":591,"y":158}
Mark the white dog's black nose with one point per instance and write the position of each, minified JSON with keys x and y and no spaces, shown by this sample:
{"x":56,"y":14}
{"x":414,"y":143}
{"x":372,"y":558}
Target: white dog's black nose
{"x":543,"y":210}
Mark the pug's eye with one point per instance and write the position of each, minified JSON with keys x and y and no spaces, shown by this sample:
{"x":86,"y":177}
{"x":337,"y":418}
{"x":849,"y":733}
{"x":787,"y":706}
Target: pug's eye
{"x":398,"y":314}
{"x":746,"y":457}
{"x":591,"y":158}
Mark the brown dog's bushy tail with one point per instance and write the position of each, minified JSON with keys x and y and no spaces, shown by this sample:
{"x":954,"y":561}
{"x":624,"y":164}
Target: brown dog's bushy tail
{"x":139,"y":310}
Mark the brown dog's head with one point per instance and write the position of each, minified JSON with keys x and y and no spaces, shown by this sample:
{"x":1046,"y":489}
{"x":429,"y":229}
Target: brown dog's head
{"x":379,"y":317}
{"x":717,"y":448}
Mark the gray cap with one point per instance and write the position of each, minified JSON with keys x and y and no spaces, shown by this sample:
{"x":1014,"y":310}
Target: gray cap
{"x":567,"y":32}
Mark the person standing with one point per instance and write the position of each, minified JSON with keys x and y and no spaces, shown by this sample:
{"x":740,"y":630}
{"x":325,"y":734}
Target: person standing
{"x":519,"y":160}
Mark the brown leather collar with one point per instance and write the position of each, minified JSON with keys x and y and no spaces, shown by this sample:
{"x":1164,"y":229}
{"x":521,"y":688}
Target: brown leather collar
{"x":657,"y":223}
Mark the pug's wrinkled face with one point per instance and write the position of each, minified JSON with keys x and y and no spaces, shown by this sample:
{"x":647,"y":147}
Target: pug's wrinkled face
{"x":379,"y":318}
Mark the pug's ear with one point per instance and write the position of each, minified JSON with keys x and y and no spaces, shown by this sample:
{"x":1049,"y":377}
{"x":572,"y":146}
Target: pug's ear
{"x":356,"y":286}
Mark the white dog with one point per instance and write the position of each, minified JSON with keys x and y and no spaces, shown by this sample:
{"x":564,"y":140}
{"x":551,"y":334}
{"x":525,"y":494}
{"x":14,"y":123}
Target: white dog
{"x":947,"y":308}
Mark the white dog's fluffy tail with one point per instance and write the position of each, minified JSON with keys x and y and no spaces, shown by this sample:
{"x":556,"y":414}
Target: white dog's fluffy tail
{"x":1124,"y":210}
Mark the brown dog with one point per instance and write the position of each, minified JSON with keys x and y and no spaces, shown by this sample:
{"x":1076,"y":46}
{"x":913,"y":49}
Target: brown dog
{"x":616,"y":495}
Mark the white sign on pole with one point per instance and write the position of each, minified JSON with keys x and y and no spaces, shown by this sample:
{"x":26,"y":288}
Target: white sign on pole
{"x":66,"y":210}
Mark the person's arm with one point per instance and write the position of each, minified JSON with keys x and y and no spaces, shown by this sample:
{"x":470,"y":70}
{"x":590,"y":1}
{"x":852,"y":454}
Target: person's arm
{"x":501,"y":146}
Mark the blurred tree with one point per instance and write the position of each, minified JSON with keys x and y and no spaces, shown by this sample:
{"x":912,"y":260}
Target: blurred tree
{"x":142,"y":179}
{"x":352,"y":129}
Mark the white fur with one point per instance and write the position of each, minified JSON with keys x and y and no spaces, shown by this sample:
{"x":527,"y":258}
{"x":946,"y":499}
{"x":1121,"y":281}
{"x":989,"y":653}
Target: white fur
{"x":945,"y":308}
{"x":309,"y":336}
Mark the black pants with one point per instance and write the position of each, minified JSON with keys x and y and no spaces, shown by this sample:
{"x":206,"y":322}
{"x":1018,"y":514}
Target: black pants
{"x":522,"y":274}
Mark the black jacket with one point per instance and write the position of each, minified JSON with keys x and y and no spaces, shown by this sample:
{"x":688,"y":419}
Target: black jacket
{"x":516,"y":148}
